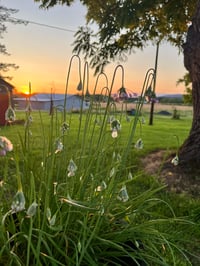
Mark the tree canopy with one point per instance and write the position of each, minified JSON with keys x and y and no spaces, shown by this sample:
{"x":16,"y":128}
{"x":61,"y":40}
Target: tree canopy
{"x":123,"y":25}
{"x":5,"y":16}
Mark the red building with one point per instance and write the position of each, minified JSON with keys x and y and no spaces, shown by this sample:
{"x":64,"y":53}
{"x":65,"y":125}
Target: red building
{"x":6,"y":90}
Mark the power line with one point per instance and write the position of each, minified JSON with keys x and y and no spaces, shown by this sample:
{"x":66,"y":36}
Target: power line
{"x":42,"y":24}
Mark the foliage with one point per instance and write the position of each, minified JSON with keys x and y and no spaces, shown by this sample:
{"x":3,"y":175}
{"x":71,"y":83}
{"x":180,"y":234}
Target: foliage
{"x":187,"y":83}
{"x":125,"y":25}
{"x":5,"y":16}
{"x":51,"y":3}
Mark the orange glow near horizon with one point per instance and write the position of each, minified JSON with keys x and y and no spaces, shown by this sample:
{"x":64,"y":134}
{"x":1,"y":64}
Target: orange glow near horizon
{"x":56,"y":83}
{"x":59,"y":87}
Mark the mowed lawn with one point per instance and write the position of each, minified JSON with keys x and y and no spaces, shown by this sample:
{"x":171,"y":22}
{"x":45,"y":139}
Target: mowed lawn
{"x":165,"y":133}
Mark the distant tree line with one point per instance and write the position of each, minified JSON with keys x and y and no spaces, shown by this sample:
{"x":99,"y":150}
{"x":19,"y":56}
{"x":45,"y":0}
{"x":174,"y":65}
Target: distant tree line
{"x":166,"y":100}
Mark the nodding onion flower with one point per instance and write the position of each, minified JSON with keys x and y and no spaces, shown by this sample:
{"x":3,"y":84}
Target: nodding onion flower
{"x":28,"y":121}
{"x":64,"y":127}
{"x":32,"y":210}
{"x":5,"y":145}
{"x":139,"y":144}
{"x":123,"y":194}
{"x":80,"y":86}
{"x":59,"y":146}
{"x":115,"y":127}
{"x":122,"y":94}
{"x":10,"y":115}
{"x":18,"y":203}
{"x":175,"y":160}
{"x":101,"y":187}
{"x":72,"y":168}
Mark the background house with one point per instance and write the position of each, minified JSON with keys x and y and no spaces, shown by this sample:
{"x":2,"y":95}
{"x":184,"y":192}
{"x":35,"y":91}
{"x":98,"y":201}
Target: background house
{"x":44,"y":101}
{"x":5,"y":87}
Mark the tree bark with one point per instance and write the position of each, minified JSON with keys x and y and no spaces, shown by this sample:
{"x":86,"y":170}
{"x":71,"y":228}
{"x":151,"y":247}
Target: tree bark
{"x":189,"y":152}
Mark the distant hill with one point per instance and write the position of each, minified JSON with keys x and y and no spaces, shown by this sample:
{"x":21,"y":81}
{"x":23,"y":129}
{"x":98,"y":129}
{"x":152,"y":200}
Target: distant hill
{"x":170,"y":95}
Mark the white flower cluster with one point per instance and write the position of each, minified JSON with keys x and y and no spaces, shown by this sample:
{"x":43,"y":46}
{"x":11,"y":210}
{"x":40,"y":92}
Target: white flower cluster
{"x":5,"y":145}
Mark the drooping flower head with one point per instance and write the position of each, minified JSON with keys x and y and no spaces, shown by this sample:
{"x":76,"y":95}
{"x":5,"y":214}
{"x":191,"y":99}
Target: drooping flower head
{"x":115,"y":127}
{"x":28,"y":121}
{"x":18,"y":203}
{"x":59,"y":146}
{"x":101,"y":187}
{"x":80,"y":86}
{"x":139,"y":144}
{"x":122,"y":94}
{"x":10,"y":115}
{"x":64,"y":127}
{"x":32,"y":209}
{"x":150,"y":94}
{"x":175,"y":160}
{"x":123,"y":194}
{"x":71,"y":168}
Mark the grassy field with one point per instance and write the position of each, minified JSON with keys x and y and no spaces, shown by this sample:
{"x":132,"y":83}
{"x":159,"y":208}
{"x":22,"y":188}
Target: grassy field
{"x":74,"y":192}
{"x":183,"y":109}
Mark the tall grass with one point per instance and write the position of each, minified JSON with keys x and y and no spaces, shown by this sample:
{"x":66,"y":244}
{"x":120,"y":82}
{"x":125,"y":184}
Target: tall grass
{"x":69,"y":194}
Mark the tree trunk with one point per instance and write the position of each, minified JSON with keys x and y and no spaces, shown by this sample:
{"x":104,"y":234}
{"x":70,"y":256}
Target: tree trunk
{"x":189,"y":153}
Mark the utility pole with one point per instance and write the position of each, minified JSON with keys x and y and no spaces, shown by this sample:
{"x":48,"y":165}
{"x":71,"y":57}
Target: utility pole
{"x":154,"y":85}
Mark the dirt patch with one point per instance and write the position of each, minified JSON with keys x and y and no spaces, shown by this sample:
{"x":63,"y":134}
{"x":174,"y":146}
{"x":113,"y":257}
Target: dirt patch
{"x":176,"y":178}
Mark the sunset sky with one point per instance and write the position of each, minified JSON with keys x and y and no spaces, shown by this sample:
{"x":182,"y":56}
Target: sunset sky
{"x":43,"y":53}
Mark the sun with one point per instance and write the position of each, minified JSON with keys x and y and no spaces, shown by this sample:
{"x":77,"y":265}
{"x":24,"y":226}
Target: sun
{"x":25,"y":90}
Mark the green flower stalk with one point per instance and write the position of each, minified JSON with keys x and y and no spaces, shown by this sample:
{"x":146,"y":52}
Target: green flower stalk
{"x":28,"y":109}
{"x":18,"y":203}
